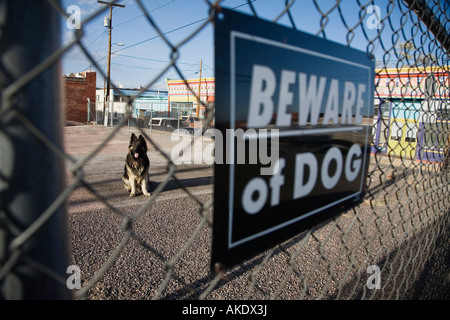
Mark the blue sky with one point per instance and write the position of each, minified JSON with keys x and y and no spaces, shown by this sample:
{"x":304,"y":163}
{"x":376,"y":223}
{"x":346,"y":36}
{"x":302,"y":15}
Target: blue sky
{"x":144,"y":54}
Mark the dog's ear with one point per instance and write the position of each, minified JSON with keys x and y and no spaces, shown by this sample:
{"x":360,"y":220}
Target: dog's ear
{"x":133,"y":137}
{"x":141,"y":137}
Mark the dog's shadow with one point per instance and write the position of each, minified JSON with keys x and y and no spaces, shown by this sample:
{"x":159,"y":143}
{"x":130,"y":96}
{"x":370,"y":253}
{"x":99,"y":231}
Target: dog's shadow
{"x":174,"y":183}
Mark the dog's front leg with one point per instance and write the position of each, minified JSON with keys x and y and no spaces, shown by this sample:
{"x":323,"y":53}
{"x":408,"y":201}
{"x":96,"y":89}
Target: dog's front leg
{"x":144,"y":184}
{"x":132,"y":182}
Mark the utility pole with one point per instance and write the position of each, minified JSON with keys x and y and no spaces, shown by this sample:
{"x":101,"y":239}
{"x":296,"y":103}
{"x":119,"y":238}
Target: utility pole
{"x":108,"y":75}
{"x":199,"y":89}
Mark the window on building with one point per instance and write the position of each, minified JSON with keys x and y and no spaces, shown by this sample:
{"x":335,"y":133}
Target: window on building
{"x":411,"y":132}
{"x":396,"y":131}
{"x":179,"y":109}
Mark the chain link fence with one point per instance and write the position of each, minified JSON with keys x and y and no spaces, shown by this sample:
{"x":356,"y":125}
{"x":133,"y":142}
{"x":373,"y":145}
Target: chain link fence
{"x":395,"y":245}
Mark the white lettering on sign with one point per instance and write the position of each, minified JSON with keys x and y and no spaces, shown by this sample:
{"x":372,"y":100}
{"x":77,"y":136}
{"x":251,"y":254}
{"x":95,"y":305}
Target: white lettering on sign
{"x":262,"y":89}
{"x":305,"y":178}
{"x":312,"y":92}
{"x":343,"y":102}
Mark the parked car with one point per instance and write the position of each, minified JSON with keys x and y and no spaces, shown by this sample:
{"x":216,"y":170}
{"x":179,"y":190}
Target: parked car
{"x":167,"y":124}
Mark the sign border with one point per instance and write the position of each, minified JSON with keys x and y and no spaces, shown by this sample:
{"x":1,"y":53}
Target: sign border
{"x":238,"y":34}
{"x":230,"y":27}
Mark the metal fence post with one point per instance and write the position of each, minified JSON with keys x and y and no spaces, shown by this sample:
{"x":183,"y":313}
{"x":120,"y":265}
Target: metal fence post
{"x":88,"y":110}
{"x":31,"y":174}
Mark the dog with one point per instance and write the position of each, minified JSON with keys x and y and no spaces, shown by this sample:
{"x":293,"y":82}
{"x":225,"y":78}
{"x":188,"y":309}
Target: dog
{"x":136,"y":167}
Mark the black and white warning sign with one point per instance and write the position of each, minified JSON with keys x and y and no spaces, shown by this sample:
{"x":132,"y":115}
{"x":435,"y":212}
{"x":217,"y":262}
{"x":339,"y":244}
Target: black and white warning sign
{"x":295,"y":112}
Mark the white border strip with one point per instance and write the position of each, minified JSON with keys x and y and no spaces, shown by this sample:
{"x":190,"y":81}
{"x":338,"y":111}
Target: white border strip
{"x":301,"y":132}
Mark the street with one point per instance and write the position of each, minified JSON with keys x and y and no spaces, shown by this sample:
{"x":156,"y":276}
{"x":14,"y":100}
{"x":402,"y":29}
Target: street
{"x":95,"y":230}
{"x":162,"y":250}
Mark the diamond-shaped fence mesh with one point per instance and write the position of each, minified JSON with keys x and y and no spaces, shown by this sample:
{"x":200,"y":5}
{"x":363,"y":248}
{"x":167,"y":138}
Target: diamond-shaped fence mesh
{"x":394,"y":245}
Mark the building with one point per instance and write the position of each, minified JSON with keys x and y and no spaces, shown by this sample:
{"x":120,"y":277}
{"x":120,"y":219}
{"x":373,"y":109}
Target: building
{"x":412,"y":110}
{"x":152,"y":104}
{"x":184,"y":102}
{"x":80,"y":96}
{"x":145,"y":103}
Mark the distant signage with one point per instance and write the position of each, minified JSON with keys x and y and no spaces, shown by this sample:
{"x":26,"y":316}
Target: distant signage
{"x":295,"y":112}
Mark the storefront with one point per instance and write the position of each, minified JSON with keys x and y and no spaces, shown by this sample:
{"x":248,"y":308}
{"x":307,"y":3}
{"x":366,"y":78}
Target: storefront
{"x":407,"y":118}
{"x":183,"y":96}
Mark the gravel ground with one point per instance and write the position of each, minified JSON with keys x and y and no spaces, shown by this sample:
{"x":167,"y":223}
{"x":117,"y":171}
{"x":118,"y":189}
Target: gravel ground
{"x":327,"y":262}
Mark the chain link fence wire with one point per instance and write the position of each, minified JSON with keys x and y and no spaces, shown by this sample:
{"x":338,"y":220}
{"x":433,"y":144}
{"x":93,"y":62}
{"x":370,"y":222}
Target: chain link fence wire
{"x":395,"y":245}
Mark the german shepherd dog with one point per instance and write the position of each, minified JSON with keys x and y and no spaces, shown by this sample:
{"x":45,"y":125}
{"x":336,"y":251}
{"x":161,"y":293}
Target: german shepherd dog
{"x":136,"y":166}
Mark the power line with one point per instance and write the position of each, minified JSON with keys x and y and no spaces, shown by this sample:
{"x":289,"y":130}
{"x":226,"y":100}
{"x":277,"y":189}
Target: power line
{"x":142,"y":15}
{"x":176,"y":29}
{"x":149,"y":59}
{"x":74,"y":56}
{"x":195,"y":71}
{"x":168,"y":32}
{"x":101,"y":41}
{"x":157,"y":36}
{"x":136,"y":67}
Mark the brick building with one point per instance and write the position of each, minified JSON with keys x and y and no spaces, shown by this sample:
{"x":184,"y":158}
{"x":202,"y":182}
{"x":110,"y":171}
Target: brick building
{"x":80,"y":89}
